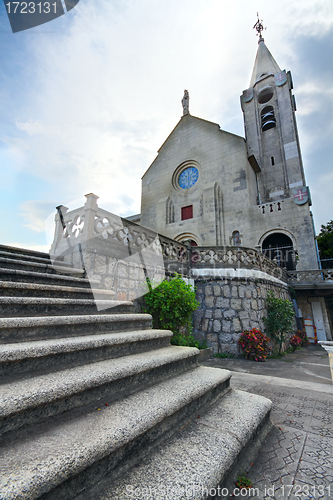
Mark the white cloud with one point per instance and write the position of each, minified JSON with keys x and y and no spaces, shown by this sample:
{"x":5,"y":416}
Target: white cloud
{"x":34,"y":214}
{"x":32,"y":128}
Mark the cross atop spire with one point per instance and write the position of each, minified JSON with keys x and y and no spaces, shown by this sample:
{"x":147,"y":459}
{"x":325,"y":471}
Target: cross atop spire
{"x":259,"y":27}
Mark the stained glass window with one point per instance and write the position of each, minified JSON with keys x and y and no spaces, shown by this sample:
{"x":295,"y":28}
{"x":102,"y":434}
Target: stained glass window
{"x":188,"y":177}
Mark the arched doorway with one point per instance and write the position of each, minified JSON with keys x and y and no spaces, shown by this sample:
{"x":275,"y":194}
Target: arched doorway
{"x":280,"y":247}
{"x":187,"y":238}
{"x":191,"y":242}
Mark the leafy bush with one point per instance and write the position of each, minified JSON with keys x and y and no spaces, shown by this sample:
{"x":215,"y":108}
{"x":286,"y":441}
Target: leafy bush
{"x":171,"y":305}
{"x":295,"y":342}
{"x":280,"y":318}
{"x":325,"y":241}
{"x":254,"y":344}
{"x":188,"y":341}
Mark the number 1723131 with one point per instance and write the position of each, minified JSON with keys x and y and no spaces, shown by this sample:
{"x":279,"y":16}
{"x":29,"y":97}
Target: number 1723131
{"x":31,"y":7}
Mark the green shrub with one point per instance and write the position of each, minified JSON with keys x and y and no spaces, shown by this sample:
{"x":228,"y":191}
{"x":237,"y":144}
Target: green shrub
{"x":171,"y":305}
{"x":188,"y":341}
{"x":280,"y":319}
{"x":254,"y":344}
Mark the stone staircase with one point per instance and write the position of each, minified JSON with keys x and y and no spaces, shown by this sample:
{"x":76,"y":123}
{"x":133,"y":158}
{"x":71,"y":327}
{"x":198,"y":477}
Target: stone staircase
{"x":97,"y":405}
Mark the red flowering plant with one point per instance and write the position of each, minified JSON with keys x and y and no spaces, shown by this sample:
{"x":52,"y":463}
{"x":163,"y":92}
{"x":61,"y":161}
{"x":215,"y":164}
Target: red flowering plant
{"x":304,"y":338}
{"x":255,"y":344}
{"x":295,"y":342}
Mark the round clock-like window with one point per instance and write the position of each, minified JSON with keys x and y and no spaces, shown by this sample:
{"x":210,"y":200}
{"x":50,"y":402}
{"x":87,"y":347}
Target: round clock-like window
{"x":188,"y":177}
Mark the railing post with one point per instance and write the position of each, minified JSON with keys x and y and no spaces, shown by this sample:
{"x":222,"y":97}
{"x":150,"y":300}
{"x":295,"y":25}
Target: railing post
{"x":189,"y":258}
{"x":59,"y":228}
{"x":90,"y":208}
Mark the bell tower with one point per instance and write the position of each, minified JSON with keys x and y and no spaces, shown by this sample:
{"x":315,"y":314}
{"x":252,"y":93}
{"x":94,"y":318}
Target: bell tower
{"x":281,"y":222}
{"x":270,"y":127}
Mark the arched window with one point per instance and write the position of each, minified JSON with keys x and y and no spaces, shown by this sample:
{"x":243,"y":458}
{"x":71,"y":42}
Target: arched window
{"x":280,"y":247}
{"x":236,"y":239}
{"x":170,"y":211}
{"x":267,"y":118}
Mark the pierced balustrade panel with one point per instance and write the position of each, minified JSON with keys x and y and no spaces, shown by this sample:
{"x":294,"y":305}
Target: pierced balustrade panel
{"x":74,"y":226}
{"x":138,"y":237}
{"x":234,"y":257}
{"x":313,"y":276}
{"x":122,"y":237}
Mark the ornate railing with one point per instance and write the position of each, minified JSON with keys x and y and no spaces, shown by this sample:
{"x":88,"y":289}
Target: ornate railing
{"x":96,"y":239}
{"x":235,"y":257}
{"x":312,"y":276}
{"x":97,"y":231}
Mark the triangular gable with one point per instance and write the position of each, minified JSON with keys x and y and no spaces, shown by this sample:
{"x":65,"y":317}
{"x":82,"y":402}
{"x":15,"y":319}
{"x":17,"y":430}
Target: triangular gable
{"x":183,"y":122}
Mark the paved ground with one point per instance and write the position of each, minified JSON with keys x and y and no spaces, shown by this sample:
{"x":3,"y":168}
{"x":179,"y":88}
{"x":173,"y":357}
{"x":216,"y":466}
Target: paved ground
{"x":296,"y":461}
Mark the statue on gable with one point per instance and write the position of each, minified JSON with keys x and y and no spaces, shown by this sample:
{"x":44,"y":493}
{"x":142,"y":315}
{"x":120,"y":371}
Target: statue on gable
{"x":185,"y":103}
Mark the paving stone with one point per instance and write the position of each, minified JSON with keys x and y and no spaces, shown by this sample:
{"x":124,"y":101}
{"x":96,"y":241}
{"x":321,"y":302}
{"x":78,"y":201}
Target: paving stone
{"x":296,"y":460}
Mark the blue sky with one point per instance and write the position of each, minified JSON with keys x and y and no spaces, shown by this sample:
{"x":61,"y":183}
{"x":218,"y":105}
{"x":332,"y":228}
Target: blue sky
{"x":87,"y":99}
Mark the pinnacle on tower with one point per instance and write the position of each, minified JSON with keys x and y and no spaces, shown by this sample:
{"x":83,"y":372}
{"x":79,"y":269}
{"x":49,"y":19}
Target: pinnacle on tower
{"x":265,"y":63}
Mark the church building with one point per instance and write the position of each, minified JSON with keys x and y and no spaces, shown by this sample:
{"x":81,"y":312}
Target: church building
{"x":214,"y":188}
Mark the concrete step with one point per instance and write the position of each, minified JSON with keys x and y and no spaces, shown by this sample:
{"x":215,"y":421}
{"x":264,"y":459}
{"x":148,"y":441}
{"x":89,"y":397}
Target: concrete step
{"x":64,"y":455}
{"x":206,"y":455}
{"x":24,"y":251}
{"x":44,"y":267}
{"x":41,"y":259}
{"x":11,"y":307}
{"x":26,"y":329}
{"x":19,"y":276}
{"x":14,"y":289}
{"x":33,"y":399}
{"x":58,"y":354}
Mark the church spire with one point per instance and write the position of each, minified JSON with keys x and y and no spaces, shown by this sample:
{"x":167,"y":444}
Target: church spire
{"x":265,"y":63}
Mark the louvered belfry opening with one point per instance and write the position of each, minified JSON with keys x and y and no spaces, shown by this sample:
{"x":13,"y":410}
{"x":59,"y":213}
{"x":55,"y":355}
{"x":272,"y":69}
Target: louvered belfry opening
{"x":268,"y":120}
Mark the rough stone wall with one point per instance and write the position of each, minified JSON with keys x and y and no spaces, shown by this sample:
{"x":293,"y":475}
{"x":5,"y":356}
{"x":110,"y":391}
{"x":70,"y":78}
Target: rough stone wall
{"x":229,"y":306}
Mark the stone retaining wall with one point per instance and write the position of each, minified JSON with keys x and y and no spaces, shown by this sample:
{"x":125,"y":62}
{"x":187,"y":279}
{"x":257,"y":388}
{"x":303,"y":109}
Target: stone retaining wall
{"x":229,"y":306}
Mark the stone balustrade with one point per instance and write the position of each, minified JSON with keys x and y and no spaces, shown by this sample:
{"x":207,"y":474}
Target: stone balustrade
{"x":310,"y":276}
{"x":94,"y":230}
{"x":235,"y":258}
{"x":116,"y":236}
{"x":115,"y":253}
